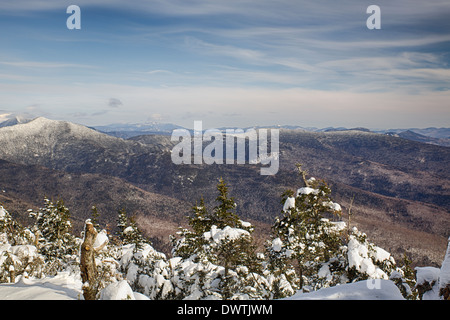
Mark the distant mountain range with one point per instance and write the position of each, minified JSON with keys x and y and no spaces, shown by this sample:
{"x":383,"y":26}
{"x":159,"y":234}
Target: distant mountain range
{"x":437,"y":136}
{"x":13,"y":121}
{"x":125,"y":131}
{"x":400,"y":187}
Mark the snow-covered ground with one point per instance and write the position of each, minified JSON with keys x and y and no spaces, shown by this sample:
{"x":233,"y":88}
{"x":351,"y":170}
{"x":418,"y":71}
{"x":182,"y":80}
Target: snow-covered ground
{"x":63,"y":286}
{"x":377,"y":289}
{"x":67,"y":286}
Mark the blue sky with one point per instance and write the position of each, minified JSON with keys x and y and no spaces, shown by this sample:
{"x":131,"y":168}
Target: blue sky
{"x":228,"y":63}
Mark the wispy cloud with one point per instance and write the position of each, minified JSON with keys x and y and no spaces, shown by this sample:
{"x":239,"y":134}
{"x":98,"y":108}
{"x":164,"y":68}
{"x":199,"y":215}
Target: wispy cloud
{"x":158,"y":72}
{"x":249,"y":55}
{"x":45,"y":65}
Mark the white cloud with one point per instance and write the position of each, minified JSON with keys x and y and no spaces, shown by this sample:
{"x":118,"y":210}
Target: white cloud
{"x":240,"y":53}
{"x":158,"y":72}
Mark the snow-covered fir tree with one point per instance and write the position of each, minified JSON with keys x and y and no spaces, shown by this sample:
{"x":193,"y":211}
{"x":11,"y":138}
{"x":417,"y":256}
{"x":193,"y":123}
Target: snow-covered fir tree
{"x":148,"y":271}
{"x":220,"y":244}
{"x":18,"y":255}
{"x":94,"y":218}
{"x":122,"y":223}
{"x":303,"y":239}
{"x":129,"y":232}
{"x":55,"y":241}
{"x":308,"y":251}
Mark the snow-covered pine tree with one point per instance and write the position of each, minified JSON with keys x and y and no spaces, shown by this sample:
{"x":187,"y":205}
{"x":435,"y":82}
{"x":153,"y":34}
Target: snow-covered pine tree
{"x":405,"y":279}
{"x":18,"y":255}
{"x":122,"y":223}
{"x":221,"y":239}
{"x":221,"y":216}
{"x":94,"y":218}
{"x":146,"y":270}
{"x":129,"y":232}
{"x":56,"y":243}
{"x":134,"y":235}
{"x":303,"y":235}
{"x":9,"y":226}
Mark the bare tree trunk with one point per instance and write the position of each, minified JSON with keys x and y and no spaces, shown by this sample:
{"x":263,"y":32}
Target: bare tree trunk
{"x":87,"y":262}
{"x":302,"y":173}
{"x":350,"y":214}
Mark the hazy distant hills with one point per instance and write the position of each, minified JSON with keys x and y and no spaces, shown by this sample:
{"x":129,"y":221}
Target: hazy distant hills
{"x":401,"y":188}
{"x":437,"y":136}
{"x":13,"y":121}
{"x":131,"y":130}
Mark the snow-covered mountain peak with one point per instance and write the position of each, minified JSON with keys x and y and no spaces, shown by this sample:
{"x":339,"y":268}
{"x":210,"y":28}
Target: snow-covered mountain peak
{"x":45,"y":142}
{"x":43,"y":127}
{"x":13,"y":121}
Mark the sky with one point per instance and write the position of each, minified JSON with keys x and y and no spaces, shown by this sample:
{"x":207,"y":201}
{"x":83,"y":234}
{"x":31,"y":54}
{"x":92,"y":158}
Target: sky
{"x":228,"y":63}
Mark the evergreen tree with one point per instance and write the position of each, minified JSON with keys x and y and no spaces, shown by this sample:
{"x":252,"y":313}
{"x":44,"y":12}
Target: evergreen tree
{"x":222,"y":216}
{"x":220,"y":238}
{"x":56,"y":243}
{"x":303,"y":236}
{"x":94,"y":218}
{"x":134,"y":235}
{"x":18,"y":256}
{"x":405,"y":279}
{"x":129,"y":232}
{"x":10,"y":227}
{"x":122,"y":223}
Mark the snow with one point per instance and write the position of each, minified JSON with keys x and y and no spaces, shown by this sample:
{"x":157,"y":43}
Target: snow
{"x":28,"y":252}
{"x":290,"y":203}
{"x":245,"y":224}
{"x":63,"y":286}
{"x":277,"y":244}
{"x":381,"y":254}
{"x":102,"y":238}
{"x":338,"y":225}
{"x":2,"y":213}
{"x":217,"y":234}
{"x":358,"y":257}
{"x":444,"y":277}
{"x":428,"y":276}
{"x":307,"y":190}
{"x":120,"y":290}
{"x":128,"y":230}
{"x":333,"y":205}
{"x":66,"y":286}
{"x":362,"y":290}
